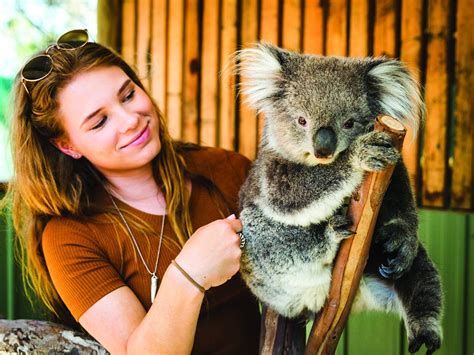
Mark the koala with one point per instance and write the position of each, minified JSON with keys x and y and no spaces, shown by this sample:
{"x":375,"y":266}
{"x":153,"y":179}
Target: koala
{"x":317,"y":145}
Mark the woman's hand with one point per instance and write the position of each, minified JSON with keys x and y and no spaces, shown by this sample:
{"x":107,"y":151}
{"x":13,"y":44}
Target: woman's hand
{"x":211,"y":256}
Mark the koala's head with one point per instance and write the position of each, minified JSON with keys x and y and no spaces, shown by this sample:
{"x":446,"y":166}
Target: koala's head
{"x":316,"y":106}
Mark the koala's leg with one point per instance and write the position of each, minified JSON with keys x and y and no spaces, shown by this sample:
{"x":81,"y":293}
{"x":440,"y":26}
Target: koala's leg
{"x":419,"y":291}
{"x":416,"y":296}
{"x":395,"y":242}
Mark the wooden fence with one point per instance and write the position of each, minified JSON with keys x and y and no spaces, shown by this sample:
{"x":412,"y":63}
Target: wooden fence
{"x":181,"y":49}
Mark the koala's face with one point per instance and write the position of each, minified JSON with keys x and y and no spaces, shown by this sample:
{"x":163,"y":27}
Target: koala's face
{"x":316,"y":106}
{"x":322,"y":108}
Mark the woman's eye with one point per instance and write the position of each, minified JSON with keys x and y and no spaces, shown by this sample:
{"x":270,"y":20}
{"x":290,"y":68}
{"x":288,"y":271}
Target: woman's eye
{"x":100,"y":123}
{"x":348,"y":124}
{"x":130,"y":95}
{"x":302,"y":121}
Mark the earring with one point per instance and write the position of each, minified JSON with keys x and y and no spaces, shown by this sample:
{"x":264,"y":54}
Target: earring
{"x":76,"y":156}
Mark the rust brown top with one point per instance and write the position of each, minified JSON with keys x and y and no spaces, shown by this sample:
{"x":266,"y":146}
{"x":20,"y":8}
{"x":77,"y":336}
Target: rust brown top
{"x":89,"y":259}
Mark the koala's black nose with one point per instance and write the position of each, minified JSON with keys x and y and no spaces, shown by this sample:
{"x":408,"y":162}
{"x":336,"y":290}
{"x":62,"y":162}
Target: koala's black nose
{"x":324,"y":143}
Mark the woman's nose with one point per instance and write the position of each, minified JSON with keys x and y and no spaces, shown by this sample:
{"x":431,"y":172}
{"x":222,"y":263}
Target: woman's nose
{"x":127,"y":120}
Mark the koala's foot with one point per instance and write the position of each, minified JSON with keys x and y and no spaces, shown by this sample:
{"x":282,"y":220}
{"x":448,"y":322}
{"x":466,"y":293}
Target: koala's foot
{"x":374,"y":151}
{"x":399,"y":247}
{"x":338,"y":227}
{"x":424,"y":331}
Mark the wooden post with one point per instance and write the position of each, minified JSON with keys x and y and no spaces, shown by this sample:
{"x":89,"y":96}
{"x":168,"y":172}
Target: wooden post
{"x":353,"y":252}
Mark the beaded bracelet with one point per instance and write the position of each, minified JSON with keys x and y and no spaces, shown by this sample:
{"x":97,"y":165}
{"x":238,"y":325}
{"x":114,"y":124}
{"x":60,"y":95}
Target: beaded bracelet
{"x":202,"y":289}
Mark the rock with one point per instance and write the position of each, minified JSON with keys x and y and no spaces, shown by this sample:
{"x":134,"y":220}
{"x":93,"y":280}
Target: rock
{"x":42,"y":337}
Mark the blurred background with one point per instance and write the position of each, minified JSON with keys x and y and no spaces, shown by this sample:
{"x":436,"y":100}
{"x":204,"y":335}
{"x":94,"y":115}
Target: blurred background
{"x":181,"y":49}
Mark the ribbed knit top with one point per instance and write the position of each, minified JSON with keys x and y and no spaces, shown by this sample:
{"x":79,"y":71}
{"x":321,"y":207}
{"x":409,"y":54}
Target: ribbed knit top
{"x":89,"y":259}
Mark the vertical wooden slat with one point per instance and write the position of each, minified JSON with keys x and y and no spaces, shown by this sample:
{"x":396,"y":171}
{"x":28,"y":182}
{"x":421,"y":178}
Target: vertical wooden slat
{"x":228,"y":45}
{"x":248,"y":117}
{"x":336,"y":30}
{"x":159,"y":42}
{"x":143,"y":41}
{"x":210,"y":62}
{"x":129,"y":31}
{"x":436,"y":93}
{"x":174,"y":94}
{"x":269,"y":21}
{"x":462,"y":180}
{"x":191,"y":72}
{"x":108,"y":21}
{"x":359,"y":28}
{"x":411,"y":34}
{"x":385,"y":28}
{"x":291,"y":26}
{"x":313,"y":34}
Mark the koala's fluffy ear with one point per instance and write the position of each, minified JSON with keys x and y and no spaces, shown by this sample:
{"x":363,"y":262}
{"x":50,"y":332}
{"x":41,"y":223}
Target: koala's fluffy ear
{"x":396,"y":92}
{"x":261,"y":70}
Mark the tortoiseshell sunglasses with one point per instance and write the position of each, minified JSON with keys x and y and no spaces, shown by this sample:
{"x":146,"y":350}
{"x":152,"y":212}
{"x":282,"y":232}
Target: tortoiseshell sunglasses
{"x":40,"y":66}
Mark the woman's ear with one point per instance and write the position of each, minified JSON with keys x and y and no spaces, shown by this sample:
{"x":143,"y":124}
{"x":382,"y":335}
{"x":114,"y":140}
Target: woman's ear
{"x":66,"y":148}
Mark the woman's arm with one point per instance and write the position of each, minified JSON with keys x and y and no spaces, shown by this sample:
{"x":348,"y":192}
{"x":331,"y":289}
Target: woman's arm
{"x":119,"y":322}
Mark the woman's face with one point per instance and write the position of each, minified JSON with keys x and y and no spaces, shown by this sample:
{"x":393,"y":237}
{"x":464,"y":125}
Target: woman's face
{"x":109,"y":120}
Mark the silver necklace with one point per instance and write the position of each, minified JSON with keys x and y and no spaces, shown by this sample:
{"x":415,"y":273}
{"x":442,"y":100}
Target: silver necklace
{"x":154,"y":279}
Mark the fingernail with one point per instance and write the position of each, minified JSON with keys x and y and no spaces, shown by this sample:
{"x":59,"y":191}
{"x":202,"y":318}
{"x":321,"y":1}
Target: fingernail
{"x":232,"y":216}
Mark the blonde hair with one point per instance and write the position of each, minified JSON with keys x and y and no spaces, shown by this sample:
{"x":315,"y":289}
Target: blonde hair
{"x":48,"y":183}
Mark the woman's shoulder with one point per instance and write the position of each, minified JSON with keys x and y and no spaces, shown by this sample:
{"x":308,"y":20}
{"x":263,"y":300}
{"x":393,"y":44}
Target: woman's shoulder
{"x":66,"y":230}
{"x":212,"y":161}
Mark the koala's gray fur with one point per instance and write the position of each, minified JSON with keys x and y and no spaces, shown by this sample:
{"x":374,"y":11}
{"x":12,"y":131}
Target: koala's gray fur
{"x":316,"y":146}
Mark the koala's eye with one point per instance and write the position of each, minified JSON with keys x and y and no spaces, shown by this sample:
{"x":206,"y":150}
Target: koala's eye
{"x":348,"y":124}
{"x":302,"y":121}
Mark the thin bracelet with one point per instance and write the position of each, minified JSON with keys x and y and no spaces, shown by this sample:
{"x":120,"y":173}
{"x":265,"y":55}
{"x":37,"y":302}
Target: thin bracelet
{"x":202,"y":289}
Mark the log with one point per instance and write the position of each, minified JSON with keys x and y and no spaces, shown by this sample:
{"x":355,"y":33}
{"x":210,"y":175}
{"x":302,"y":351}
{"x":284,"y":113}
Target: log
{"x":26,"y":336}
{"x":353,"y":252}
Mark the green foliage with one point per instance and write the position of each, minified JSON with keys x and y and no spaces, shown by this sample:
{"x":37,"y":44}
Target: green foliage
{"x":5,"y":88}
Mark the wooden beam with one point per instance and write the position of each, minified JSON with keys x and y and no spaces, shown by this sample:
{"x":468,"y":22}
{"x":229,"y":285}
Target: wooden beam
{"x":291,"y":26}
{"x":143,"y":41}
{"x":129,"y":31}
{"x":247,"y":116}
{"x":359,"y":29}
{"x":336,"y":31}
{"x":227,"y":92}
{"x":463,"y":163}
{"x":108,"y":23}
{"x":436,"y":93}
{"x":191,"y":72}
{"x":411,"y":38}
{"x":174,"y":94}
{"x":313,"y":34}
{"x":159,"y":42}
{"x":209,"y":80}
{"x":385,"y":28}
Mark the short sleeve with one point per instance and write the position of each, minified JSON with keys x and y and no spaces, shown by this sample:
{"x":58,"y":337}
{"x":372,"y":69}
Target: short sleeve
{"x":79,"y":268}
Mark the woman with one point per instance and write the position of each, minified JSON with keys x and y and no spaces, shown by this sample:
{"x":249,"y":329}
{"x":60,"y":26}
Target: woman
{"x":109,"y":209}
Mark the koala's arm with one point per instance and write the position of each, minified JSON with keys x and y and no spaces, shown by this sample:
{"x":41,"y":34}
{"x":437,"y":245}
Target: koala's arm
{"x":395,"y":242}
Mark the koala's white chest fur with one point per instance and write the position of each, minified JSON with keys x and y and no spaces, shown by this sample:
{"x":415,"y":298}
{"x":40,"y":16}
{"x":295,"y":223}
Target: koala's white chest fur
{"x":297,"y":278}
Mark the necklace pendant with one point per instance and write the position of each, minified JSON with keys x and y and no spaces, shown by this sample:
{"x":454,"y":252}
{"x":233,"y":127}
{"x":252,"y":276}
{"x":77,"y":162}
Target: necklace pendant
{"x":154,"y":286}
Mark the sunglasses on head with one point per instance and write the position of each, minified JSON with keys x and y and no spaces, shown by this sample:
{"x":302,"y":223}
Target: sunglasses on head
{"x":40,"y":66}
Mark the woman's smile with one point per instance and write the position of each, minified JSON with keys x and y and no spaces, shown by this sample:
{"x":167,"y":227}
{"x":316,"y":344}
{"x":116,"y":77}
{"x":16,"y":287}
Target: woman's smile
{"x":141,"y":138}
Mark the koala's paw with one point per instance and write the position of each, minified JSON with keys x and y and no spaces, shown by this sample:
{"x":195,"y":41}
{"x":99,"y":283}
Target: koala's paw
{"x":338,"y":227}
{"x":424,"y":331}
{"x":398,"y":246}
{"x":374,"y":151}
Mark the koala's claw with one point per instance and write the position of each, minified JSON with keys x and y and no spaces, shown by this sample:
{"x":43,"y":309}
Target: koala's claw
{"x":375,"y":151}
{"x":424,"y":332}
{"x":339,"y":226}
{"x":399,"y":248}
